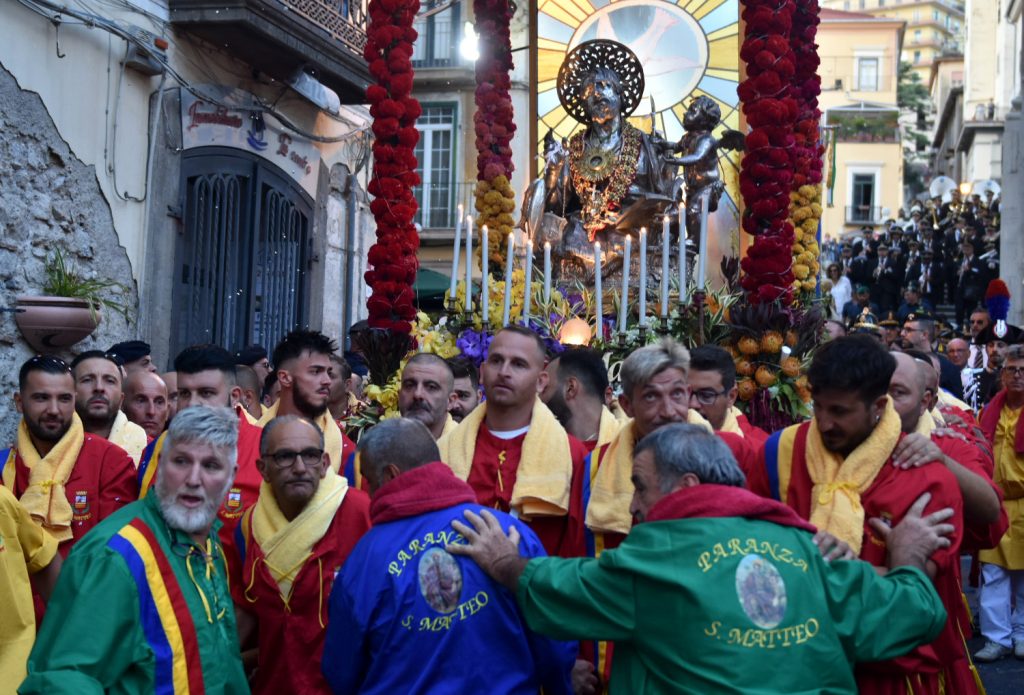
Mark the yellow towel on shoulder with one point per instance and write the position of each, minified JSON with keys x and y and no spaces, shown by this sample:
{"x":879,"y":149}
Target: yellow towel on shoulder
{"x":926,"y":425}
{"x":45,"y":498}
{"x":612,"y":490}
{"x":732,"y":423}
{"x":327,"y":425}
{"x":544,"y":475}
{"x":839,"y":483}
{"x":287,"y":544}
{"x":449,"y":424}
{"x":128,"y":436}
{"x":608,"y":428}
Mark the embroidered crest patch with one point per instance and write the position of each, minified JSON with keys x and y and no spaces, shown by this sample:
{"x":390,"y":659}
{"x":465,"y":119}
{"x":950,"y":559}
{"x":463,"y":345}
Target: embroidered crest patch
{"x":440,"y":580}
{"x":761,"y":591}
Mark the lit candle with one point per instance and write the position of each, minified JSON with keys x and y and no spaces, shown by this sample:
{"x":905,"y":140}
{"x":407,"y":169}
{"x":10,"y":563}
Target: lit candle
{"x":455,"y":255}
{"x":509,"y":258}
{"x":469,"y":264}
{"x":547,"y":272}
{"x":642,"y":309}
{"x":528,"y":294}
{"x":682,"y":253}
{"x":485,"y":278}
{"x":665,"y":251}
{"x":598,"y":294}
{"x":624,"y":300}
{"x":703,"y":258}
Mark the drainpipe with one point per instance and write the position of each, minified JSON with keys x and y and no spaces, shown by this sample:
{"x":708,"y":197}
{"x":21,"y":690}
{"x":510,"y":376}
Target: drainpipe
{"x":350,"y":260}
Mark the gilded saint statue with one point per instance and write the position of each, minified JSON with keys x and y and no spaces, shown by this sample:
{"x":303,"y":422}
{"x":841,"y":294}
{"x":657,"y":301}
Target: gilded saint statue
{"x":611,"y":178}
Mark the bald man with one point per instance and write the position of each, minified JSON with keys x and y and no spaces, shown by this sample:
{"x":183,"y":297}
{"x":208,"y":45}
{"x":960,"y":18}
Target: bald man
{"x":146,"y":402}
{"x":171,"y":379}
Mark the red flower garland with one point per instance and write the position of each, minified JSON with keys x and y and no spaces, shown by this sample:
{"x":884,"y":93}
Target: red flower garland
{"x":807,"y":155}
{"x":493,"y":125}
{"x":392,"y":260}
{"x":766,"y":177}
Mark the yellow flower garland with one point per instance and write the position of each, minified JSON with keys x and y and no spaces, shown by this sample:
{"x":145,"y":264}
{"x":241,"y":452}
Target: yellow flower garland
{"x":804,"y":214}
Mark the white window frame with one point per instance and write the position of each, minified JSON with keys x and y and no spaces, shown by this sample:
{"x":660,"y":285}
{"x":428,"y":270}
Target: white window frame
{"x":875,"y":170}
{"x":878,"y":54}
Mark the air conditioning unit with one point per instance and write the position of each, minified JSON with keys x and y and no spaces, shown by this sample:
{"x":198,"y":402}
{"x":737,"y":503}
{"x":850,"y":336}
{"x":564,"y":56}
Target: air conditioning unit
{"x":148,"y":53}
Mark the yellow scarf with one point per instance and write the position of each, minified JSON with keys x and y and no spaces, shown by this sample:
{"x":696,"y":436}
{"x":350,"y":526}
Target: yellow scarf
{"x":449,"y":424}
{"x":937,"y":417}
{"x":128,"y":436}
{"x":612,"y":489}
{"x":842,"y":514}
{"x":287,"y":544}
{"x":544,"y":475}
{"x":608,"y":428}
{"x":327,"y":425}
{"x":732,"y":423}
{"x":925,"y":424}
{"x":249,"y":418}
{"x":948,"y":399}
{"x":45,"y":498}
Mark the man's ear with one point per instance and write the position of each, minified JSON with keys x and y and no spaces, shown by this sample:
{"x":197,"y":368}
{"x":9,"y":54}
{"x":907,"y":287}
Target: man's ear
{"x":235,"y":395}
{"x":627,"y":406}
{"x":262,"y":468}
{"x":17,"y":401}
{"x":572,"y":388}
{"x":731,"y":396}
{"x":285,"y":377}
{"x":390,"y":472}
{"x":879,"y":406}
{"x":542,"y":380}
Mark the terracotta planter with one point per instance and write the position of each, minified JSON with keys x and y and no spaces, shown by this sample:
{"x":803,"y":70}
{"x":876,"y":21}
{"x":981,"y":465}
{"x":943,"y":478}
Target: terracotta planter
{"x":50,"y":324}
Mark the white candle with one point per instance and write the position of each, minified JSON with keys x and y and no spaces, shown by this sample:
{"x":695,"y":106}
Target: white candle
{"x":485,"y":278}
{"x":528,"y":293}
{"x":624,"y":300}
{"x":598,"y":293}
{"x":455,"y":255}
{"x":642,"y":309}
{"x":547,"y":272}
{"x":682,"y":253}
{"x":469,"y":264}
{"x":666,"y":249}
{"x":703,"y":258}
{"x":509,"y":258}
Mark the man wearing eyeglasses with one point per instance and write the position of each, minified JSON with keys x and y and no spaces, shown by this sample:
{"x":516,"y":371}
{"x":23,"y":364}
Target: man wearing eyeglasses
{"x":713,"y":394}
{"x":142,"y":605}
{"x":919,"y":333}
{"x":1003,"y":567}
{"x":286,"y":553}
{"x":68,"y":479}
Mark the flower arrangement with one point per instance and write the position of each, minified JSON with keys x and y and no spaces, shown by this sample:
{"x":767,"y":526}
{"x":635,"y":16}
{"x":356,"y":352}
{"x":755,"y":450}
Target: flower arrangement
{"x":807,"y":153}
{"x":766,"y":177}
{"x":392,"y":259}
{"x":494,"y":127}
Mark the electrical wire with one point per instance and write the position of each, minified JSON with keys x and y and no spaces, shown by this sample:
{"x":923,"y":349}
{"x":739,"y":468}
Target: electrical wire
{"x":93,"y":20}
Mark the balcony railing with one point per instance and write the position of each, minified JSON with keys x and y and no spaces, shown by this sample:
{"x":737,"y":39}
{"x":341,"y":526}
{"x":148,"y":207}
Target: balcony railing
{"x":438,"y":203}
{"x":862,"y":214}
{"x":344,"y":20}
{"x":439,"y":38}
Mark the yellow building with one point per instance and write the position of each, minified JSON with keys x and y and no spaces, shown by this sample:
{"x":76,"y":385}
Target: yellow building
{"x":859,"y":64}
{"x":934,"y":27}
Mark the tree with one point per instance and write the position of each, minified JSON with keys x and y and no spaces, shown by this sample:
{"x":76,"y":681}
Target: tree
{"x":914,"y":103}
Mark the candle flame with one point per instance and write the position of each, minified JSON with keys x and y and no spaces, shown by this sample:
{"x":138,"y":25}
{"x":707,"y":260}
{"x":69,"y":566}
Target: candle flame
{"x":547,"y":244}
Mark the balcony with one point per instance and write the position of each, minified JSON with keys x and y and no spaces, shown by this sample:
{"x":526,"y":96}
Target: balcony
{"x":865,"y":123}
{"x":279,"y":36}
{"x":863,"y":214}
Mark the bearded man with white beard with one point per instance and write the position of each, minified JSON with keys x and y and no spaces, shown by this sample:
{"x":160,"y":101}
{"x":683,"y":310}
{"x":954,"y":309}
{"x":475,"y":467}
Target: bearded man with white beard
{"x":142,"y":603}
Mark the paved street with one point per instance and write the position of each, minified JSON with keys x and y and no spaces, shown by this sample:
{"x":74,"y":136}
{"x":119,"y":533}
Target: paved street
{"x":1004,"y":677}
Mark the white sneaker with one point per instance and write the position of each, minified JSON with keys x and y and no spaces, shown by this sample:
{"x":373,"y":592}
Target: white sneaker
{"x":993,"y":651}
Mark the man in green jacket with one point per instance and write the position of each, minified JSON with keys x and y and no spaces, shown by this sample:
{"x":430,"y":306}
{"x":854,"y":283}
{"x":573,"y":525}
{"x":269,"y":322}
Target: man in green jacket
{"x":142,"y":603}
{"x":719,"y":590}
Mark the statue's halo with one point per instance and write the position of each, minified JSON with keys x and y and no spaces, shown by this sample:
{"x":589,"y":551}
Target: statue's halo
{"x":589,"y":56}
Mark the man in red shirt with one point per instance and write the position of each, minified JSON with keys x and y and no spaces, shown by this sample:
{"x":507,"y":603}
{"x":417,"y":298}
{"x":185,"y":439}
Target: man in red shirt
{"x":577,"y":382}
{"x":713,"y":393}
{"x":842,"y":468}
{"x":302,"y":361}
{"x":513,"y":452}
{"x":67,"y":479}
{"x":206,"y":376}
{"x":286,"y":552}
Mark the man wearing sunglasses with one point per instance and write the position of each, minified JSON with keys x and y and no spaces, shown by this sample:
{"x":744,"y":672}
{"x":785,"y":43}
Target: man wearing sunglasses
{"x":68,"y":479}
{"x":287,"y":551}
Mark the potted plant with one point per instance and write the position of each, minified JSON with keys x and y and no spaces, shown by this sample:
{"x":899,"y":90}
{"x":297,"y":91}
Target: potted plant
{"x":69,"y":309}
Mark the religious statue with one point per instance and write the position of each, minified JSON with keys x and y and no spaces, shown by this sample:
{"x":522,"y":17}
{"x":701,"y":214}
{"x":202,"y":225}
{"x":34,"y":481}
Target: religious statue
{"x":612,"y":178}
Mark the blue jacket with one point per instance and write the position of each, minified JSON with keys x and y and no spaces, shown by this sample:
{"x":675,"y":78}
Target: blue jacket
{"x":407,"y":617}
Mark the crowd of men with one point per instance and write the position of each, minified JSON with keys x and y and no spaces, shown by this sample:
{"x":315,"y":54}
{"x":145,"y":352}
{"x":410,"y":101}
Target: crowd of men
{"x":518,"y":528}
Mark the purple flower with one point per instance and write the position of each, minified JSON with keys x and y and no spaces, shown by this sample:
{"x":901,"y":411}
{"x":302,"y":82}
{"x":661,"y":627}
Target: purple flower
{"x":474,"y":345}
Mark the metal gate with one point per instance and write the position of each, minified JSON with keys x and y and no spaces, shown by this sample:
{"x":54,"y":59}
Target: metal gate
{"x":245,"y":254}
